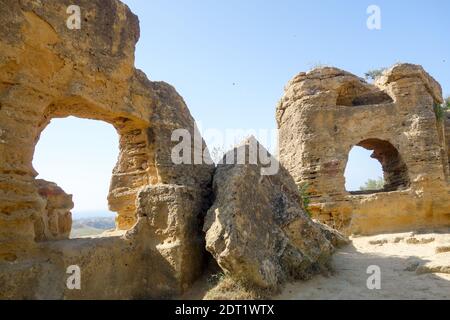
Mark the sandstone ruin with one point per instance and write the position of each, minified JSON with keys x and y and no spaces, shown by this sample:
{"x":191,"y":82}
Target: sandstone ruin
{"x":48,"y":71}
{"x":327,"y":111}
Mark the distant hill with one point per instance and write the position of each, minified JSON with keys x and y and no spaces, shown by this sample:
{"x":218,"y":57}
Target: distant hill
{"x":91,"y":226}
{"x":78,"y":215}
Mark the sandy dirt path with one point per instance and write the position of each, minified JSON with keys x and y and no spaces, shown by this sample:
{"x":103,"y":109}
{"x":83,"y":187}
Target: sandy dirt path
{"x":413,"y":266}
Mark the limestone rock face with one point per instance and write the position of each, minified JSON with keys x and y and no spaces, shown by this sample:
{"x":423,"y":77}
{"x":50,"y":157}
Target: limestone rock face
{"x":447,"y":133}
{"x":327,"y":111}
{"x":170,"y":213}
{"x":55,"y":222}
{"x":257,"y":229}
{"x":48,"y":71}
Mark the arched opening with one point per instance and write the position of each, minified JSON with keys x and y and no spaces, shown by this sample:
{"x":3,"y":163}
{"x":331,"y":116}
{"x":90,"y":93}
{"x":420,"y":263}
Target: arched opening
{"x":79,"y":155}
{"x":363,"y":173}
{"x":375,"y":165}
{"x":354,"y":94}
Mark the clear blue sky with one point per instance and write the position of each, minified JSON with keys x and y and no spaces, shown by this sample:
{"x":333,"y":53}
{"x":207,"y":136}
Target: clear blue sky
{"x":231,"y":59}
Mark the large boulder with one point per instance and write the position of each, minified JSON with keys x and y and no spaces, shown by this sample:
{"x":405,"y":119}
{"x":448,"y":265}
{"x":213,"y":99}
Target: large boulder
{"x":257,"y":228}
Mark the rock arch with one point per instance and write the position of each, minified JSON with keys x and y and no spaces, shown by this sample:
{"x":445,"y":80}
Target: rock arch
{"x":395,"y":171}
{"x":49,"y":71}
{"x":356,"y":93}
{"x":326,"y":111}
{"x":135,"y":167}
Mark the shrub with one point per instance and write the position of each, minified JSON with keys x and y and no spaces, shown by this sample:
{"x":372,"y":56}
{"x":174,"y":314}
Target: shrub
{"x":374,"y":74}
{"x":440,"y":109}
{"x":372,"y":184}
{"x":305,"y":197}
{"x":215,"y":278}
{"x":229,"y":288}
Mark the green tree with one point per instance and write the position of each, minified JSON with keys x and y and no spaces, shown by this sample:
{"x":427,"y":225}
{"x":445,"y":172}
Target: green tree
{"x":374,"y":74}
{"x":372,"y":184}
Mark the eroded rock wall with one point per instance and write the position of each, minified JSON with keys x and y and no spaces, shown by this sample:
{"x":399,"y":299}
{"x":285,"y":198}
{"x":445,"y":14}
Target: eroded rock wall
{"x":447,"y":137}
{"x":50,"y":71}
{"x":327,"y":111}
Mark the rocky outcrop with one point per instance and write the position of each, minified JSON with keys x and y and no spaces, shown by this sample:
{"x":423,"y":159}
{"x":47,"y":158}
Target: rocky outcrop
{"x":55,"y":221}
{"x":257,"y":229}
{"x":47,"y":71}
{"x":326,"y":111}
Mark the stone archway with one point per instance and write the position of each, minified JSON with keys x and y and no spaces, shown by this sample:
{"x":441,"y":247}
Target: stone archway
{"x":354,"y":93}
{"x":362,"y":172}
{"x":327,"y":111}
{"x":135,"y":166}
{"x":395,"y":171}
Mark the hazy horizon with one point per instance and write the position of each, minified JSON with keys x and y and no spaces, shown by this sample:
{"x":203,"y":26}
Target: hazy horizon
{"x":92,"y":214}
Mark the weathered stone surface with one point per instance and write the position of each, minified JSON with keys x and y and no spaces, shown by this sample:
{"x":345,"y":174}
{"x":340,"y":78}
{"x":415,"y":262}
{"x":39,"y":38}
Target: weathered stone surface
{"x":327,"y":111}
{"x":50,"y":71}
{"x":257,"y":229}
{"x":55,"y":222}
{"x":336,"y":238}
{"x":447,"y":133}
{"x":170,"y":213}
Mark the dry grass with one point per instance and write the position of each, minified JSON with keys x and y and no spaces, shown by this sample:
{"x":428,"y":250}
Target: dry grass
{"x":442,"y":249}
{"x":228,"y":288}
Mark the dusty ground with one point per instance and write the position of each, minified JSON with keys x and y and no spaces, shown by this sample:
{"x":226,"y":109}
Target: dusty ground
{"x":413,"y":266}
